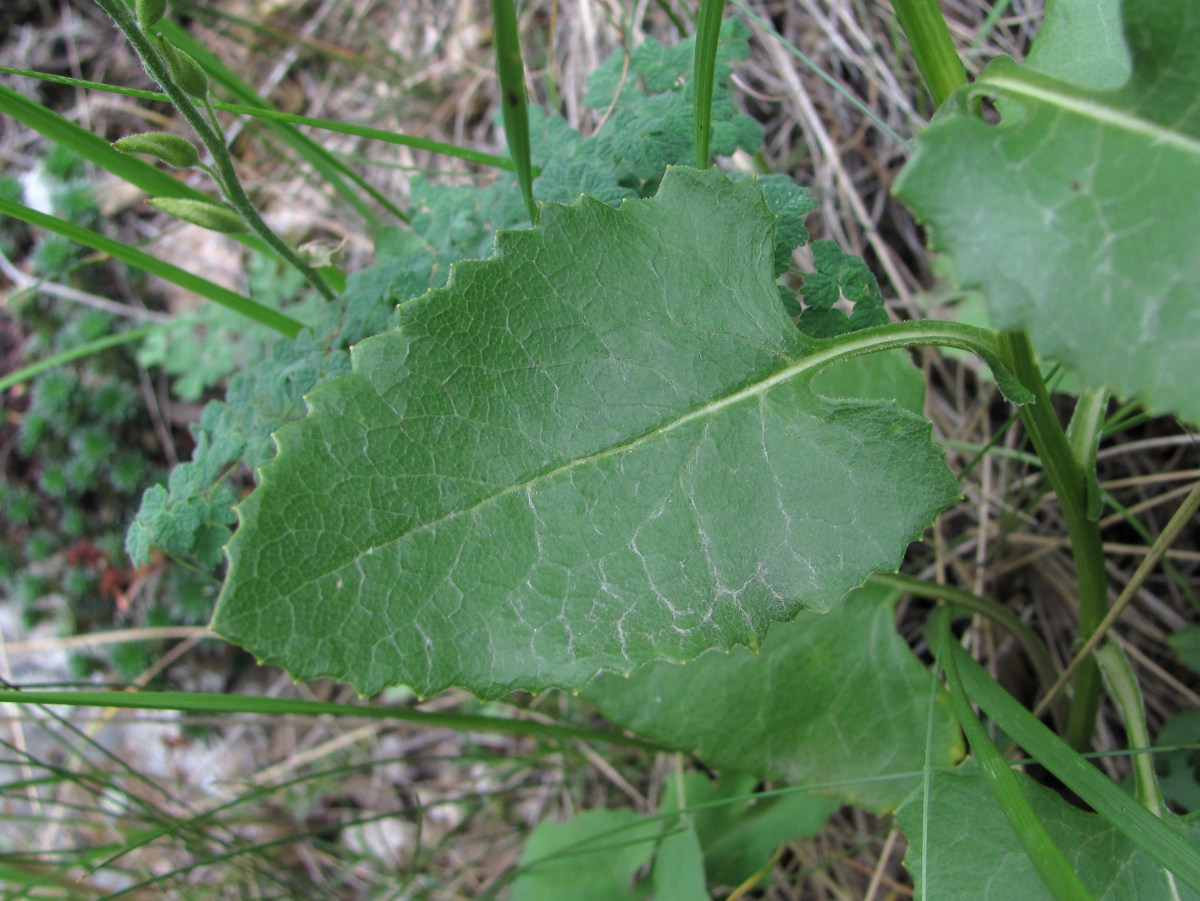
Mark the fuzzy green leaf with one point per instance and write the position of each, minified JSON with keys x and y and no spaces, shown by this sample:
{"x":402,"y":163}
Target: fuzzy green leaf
{"x":1076,"y":216}
{"x":598,"y":449}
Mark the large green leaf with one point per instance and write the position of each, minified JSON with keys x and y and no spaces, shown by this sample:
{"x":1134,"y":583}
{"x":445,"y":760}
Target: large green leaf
{"x":837,"y":697}
{"x":976,"y":856}
{"x":595,"y":450}
{"x":1076,"y":217}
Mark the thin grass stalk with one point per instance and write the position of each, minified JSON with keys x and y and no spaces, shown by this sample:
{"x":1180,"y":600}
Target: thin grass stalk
{"x":228,"y":179}
{"x":1157,"y":839}
{"x":201,"y":702}
{"x":514,"y":99}
{"x":1046,"y":857}
{"x":25,"y":373}
{"x":257,"y":112}
{"x":704,"y":71}
{"x":816,"y":69}
{"x":244,"y":306}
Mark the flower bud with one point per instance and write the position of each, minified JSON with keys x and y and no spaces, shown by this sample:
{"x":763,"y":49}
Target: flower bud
{"x":171,"y":149}
{"x":205,"y":213}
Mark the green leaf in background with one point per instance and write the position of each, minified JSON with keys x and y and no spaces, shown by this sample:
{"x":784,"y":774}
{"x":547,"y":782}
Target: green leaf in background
{"x":591,"y":857}
{"x":977,"y":856}
{"x":1179,"y":770}
{"x":678,"y":865}
{"x":549,"y":469}
{"x":828,"y":698}
{"x":1081,"y":41}
{"x":739,"y":837}
{"x":1076,"y":216}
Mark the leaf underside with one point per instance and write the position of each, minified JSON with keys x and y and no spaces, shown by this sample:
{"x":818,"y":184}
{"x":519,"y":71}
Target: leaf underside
{"x":1076,"y":216}
{"x":598,"y":449}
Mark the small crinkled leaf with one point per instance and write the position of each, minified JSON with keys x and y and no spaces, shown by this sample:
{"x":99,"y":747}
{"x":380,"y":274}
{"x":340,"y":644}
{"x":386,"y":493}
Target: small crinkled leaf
{"x":978,"y":857}
{"x":1076,"y":216}
{"x":598,"y":449}
{"x":839,"y":276}
{"x":791,"y":203}
{"x":828,"y":698}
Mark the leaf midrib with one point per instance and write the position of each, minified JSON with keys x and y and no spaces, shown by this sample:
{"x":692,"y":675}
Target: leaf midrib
{"x":1092,"y":109}
{"x":816,"y":360}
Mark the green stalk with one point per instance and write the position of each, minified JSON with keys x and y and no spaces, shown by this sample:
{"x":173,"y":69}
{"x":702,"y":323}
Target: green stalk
{"x":932,"y":46}
{"x":1069,"y":481}
{"x":514,"y":100}
{"x":1087,"y":423}
{"x":1046,"y":857}
{"x":704,"y":70}
{"x":1123,"y":688}
{"x":330,"y":168}
{"x":230,"y":185}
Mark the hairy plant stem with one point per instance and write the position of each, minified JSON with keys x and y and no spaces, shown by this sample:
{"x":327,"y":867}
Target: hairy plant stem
{"x":228,"y":180}
{"x":932,"y":46}
{"x":1069,"y":480}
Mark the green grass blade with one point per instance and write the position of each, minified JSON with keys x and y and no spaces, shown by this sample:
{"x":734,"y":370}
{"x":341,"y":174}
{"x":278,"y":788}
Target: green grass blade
{"x":1134,"y":821}
{"x":273,"y":115}
{"x":245,"y":306}
{"x":25,"y":373}
{"x":94,"y":149}
{"x":514,"y":101}
{"x":200,"y":702}
{"x":1047,"y":859}
{"x":332,"y":170}
{"x":704,"y":70}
